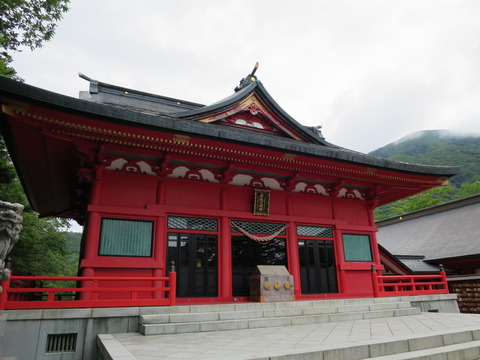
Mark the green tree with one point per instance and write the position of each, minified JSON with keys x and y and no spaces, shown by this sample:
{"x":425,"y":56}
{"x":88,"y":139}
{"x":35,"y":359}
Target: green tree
{"x":26,"y":23}
{"x":7,"y":172}
{"x":426,"y":199}
{"x":420,"y":201}
{"x":41,"y":248}
{"x":470,"y":189}
{"x":5,"y":68}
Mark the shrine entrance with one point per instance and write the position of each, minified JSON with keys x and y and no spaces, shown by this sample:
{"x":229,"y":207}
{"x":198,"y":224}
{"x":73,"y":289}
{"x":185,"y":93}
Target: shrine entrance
{"x":317,"y":266}
{"x":195,"y":257}
{"x":247,"y":254}
{"x":257,"y":243}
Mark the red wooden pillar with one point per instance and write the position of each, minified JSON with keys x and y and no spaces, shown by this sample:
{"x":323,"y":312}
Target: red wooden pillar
{"x":160,"y":242}
{"x":375,"y":251}
{"x":340,"y":260}
{"x":375,"y":283}
{"x":160,"y":253}
{"x":292,"y":248}
{"x":373,"y":236}
{"x":161,"y":192}
{"x":87,"y":295}
{"x":92,"y":234}
{"x":293,"y":259}
{"x":224,"y":250}
{"x":172,"y":283}
{"x":93,"y":222}
{"x":5,"y":285}
{"x":225,"y":259}
{"x":338,"y":250}
{"x":444,"y":280}
{"x":91,"y":250}
{"x":96,"y":186}
{"x":160,"y":245}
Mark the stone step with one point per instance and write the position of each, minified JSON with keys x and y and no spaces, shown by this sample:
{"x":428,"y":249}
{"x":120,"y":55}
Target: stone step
{"x":219,"y":315}
{"x":457,"y":345}
{"x":339,"y":303}
{"x":212,"y":322}
{"x":465,"y":351}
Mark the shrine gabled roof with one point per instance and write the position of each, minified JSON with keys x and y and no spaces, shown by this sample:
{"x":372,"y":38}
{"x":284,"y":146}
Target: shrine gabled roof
{"x":44,"y":130}
{"x":254,"y":93}
{"x":181,"y":122}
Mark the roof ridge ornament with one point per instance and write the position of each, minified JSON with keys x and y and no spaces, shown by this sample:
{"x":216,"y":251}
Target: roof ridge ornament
{"x":247,"y":80}
{"x":93,"y":83}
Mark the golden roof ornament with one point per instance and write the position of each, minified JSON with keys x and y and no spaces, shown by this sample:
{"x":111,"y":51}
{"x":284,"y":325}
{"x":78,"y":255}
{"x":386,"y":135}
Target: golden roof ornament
{"x":247,"y":80}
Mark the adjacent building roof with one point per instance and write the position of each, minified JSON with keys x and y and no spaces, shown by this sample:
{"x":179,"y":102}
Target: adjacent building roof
{"x":433,"y":235}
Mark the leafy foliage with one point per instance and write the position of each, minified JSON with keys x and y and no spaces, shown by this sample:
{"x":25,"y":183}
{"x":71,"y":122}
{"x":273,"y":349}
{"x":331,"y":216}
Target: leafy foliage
{"x":470,"y":189}
{"x":426,"y":199}
{"x":5,"y":68}
{"x":26,"y":23}
{"x":7,"y":173}
{"x":73,"y":242}
{"x":29,"y":22}
{"x":41,"y":248}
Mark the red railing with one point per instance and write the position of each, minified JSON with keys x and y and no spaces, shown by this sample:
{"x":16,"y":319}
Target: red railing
{"x":403,"y":285}
{"x":23,"y":292}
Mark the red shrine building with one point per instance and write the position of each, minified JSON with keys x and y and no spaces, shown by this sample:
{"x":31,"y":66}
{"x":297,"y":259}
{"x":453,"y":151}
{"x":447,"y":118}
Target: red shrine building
{"x":212,"y":190}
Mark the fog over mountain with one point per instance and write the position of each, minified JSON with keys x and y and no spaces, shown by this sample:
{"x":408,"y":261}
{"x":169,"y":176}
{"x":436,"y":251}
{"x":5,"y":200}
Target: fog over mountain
{"x":438,"y":147}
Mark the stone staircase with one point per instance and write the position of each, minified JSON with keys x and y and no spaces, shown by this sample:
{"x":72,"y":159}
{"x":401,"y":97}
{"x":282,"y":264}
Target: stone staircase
{"x":451,"y":345}
{"x":420,"y":336}
{"x":219,"y":317}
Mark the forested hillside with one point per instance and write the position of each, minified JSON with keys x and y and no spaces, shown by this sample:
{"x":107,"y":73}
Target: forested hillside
{"x":438,"y":147}
{"x":435,"y":147}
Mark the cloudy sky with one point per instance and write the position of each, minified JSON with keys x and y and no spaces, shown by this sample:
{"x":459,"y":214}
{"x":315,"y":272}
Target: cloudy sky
{"x":370,"y":72}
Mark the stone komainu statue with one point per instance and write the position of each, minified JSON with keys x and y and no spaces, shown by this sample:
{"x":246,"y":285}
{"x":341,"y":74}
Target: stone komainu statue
{"x":10,"y":227}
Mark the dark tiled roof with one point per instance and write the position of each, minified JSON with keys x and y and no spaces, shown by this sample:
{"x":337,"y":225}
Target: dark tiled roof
{"x":446,"y":231}
{"x":134,"y":100}
{"x":256,"y":87}
{"x":418,"y":264}
{"x":181,"y":123}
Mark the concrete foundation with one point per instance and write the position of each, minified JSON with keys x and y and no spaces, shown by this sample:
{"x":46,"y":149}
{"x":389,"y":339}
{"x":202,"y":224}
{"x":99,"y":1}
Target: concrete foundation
{"x":26,"y":332}
{"x":446,"y":303}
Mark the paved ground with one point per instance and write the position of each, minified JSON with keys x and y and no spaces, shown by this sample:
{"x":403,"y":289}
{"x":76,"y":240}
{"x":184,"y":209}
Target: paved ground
{"x":265,"y":342}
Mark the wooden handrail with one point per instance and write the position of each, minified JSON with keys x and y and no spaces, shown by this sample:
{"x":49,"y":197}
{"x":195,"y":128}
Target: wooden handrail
{"x":403,"y":285}
{"x":93,"y":290}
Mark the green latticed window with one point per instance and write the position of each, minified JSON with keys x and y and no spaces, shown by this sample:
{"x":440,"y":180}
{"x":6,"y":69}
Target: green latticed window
{"x":258,"y":227}
{"x":190,"y":223}
{"x":357,"y":247}
{"x":120,"y":237}
{"x":315,"y":231}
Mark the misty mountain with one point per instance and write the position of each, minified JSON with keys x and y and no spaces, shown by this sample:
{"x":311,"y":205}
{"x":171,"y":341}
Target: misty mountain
{"x":438,"y":147}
